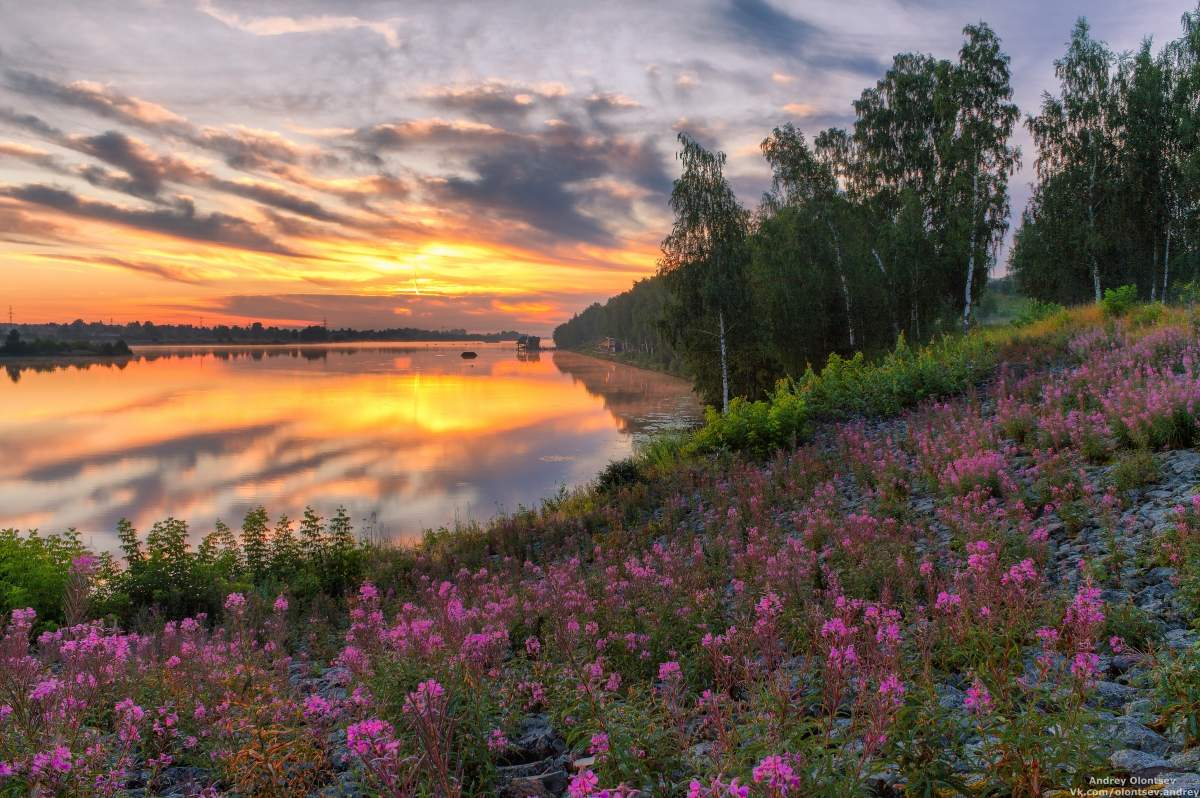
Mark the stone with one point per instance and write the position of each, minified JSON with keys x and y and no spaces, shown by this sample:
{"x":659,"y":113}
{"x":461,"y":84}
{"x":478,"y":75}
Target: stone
{"x":1131,"y":734}
{"x":950,"y":697}
{"x":1179,"y":785}
{"x":537,"y":739}
{"x":1137,"y":763}
{"x":1186,"y":760}
{"x":1112,"y":695}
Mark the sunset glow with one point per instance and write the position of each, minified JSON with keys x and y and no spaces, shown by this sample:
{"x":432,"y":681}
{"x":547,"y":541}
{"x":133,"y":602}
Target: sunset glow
{"x":289,"y":162}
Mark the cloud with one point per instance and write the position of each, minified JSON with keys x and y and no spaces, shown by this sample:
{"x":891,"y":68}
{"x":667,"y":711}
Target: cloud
{"x":29,"y":123}
{"x":778,"y":33}
{"x":606,"y":101}
{"x":282,"y":25}
{"x":545,"y":180}
{"x":491,"y":99}
{"x":99,"y":99}
{"x":147,"y":171}
{"x":179,"y":222}
{"x":166,"y":271}
{"x":33,"y":155}
{"x":474,"y":313}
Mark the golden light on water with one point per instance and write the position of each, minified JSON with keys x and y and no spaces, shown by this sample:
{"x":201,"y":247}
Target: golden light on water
{"x":414,"y":434}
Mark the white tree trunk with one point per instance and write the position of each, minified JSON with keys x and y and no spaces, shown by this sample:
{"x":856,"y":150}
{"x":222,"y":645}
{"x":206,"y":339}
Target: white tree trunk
{"x":1092,"y":232}
{"x":966,"y":317}
{"x":891,"y":308}
{"x":724,"y":364}
{"x":837,"y":253}
{"x":1166,"y":264}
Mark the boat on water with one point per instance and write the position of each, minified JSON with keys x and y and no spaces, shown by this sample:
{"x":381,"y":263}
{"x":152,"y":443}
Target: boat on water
{"x":469,"y":355}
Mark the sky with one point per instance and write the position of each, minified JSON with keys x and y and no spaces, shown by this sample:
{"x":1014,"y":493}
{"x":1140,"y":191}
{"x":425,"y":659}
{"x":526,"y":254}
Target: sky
{"x":478,"y":165}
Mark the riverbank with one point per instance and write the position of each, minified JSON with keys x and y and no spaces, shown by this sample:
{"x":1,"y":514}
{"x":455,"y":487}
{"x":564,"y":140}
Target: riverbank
{"x":628,"y":359}
{"x":992,"y":590}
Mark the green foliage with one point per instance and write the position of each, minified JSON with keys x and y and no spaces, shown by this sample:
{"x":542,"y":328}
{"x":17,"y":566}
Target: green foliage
{"x":1036,"y":310}
{"x":618,"y":473}
{"x":757,"y":428}
{"x":1132,"y":624}
{"x":1135,"y":469}
{"x":1118,"y":301}
{"x":162,"y":572}
{"x":634,"y":319}
{"x":34,"y":572}
{"x":1177,"y":683}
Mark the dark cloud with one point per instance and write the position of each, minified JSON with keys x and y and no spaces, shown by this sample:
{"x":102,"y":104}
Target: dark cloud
{"x":147,"y":171}
{"x":490,"y":100}
{"x":474,"y":313}
{"x":18,"y":225}
{"x":29,"y":123}
{"x":100,"y":100}
{"x":278,"y":198}
{"x":768,"y":27}
{"x":541,"y":180}
{"x":780,"y":33}
{"x":180,"y":222}
{"x":170,"y":272}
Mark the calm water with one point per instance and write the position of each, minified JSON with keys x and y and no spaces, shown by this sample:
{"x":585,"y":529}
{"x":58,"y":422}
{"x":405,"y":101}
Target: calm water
{"x":405,"y":436}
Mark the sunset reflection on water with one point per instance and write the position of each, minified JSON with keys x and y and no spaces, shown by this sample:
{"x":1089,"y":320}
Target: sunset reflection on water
{"x":404,"y":436}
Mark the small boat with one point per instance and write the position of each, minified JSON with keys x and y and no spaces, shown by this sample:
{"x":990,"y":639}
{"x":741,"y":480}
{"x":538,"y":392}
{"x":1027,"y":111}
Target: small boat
{"x":469,"y":355}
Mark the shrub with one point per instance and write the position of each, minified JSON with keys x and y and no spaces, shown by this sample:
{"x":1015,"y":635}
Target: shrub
{"x":1146,"y":315}
{"x":34,"y":571}
{"x":1035,"y":310}
{"x":1135,"y":469}
{"x":757,"y":428}
{"x":1118,"y":301}
{"x":617,"y":474}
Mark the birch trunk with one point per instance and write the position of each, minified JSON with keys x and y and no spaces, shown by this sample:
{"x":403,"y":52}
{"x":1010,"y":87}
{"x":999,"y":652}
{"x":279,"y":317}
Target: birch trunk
{"x":966,"y":317}
{"x":837,"y":253}
{"x":724,"y":364}
{"x":1166,"y":265}
{"x":1092,"y":232}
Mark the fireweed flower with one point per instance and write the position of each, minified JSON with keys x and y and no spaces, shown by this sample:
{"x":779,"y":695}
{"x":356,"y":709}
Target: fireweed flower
{"x":371,"y":738}
{"x":669,"y":672}
{"x":599,"y":744}
{"x":281,"y":605}
{"x":497,"y":741}
{"x":583,"y":785}
{"x":774,"y":772}
{"x":978,"y":700}
{"x":235,"y":603}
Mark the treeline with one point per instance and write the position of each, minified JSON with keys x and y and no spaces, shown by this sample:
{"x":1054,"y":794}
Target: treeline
{"x":634,"y":318}
{"x":147,"y":332}
{"x":15,"y":346}
{"x":886,"y":229}
{"x":1118,"y":172}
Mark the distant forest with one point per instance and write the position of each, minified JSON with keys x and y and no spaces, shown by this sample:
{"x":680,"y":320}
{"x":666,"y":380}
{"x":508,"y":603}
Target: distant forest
{"x":147,"y":332}
{"x":891,"y":228}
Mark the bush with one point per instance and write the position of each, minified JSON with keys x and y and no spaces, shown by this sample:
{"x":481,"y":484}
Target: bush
{"x":1118,"y":301}
{"x":1135,"y":469}
{"x":1035,"y":310}
{"x":1146,"y":315}
{"x":757,"y":428}
{"x":34,"y":571}
{"x":617,"y":474}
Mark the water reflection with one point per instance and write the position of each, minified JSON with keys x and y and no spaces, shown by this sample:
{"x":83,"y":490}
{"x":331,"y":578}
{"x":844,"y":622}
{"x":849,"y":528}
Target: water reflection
{"x":410,"y":435}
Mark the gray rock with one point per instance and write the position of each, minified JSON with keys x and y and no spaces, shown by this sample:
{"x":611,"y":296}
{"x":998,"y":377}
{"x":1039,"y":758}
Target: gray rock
{"x":537,"y":739}
{"x":1112,"y":695}
{"x":1179,"y":785}
{"x":1128,"y":732}
{"x":1186,"y":760}
{"x":950,"y":697}
{"x":1137,"y":763}
{"x":1141,"y":710}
